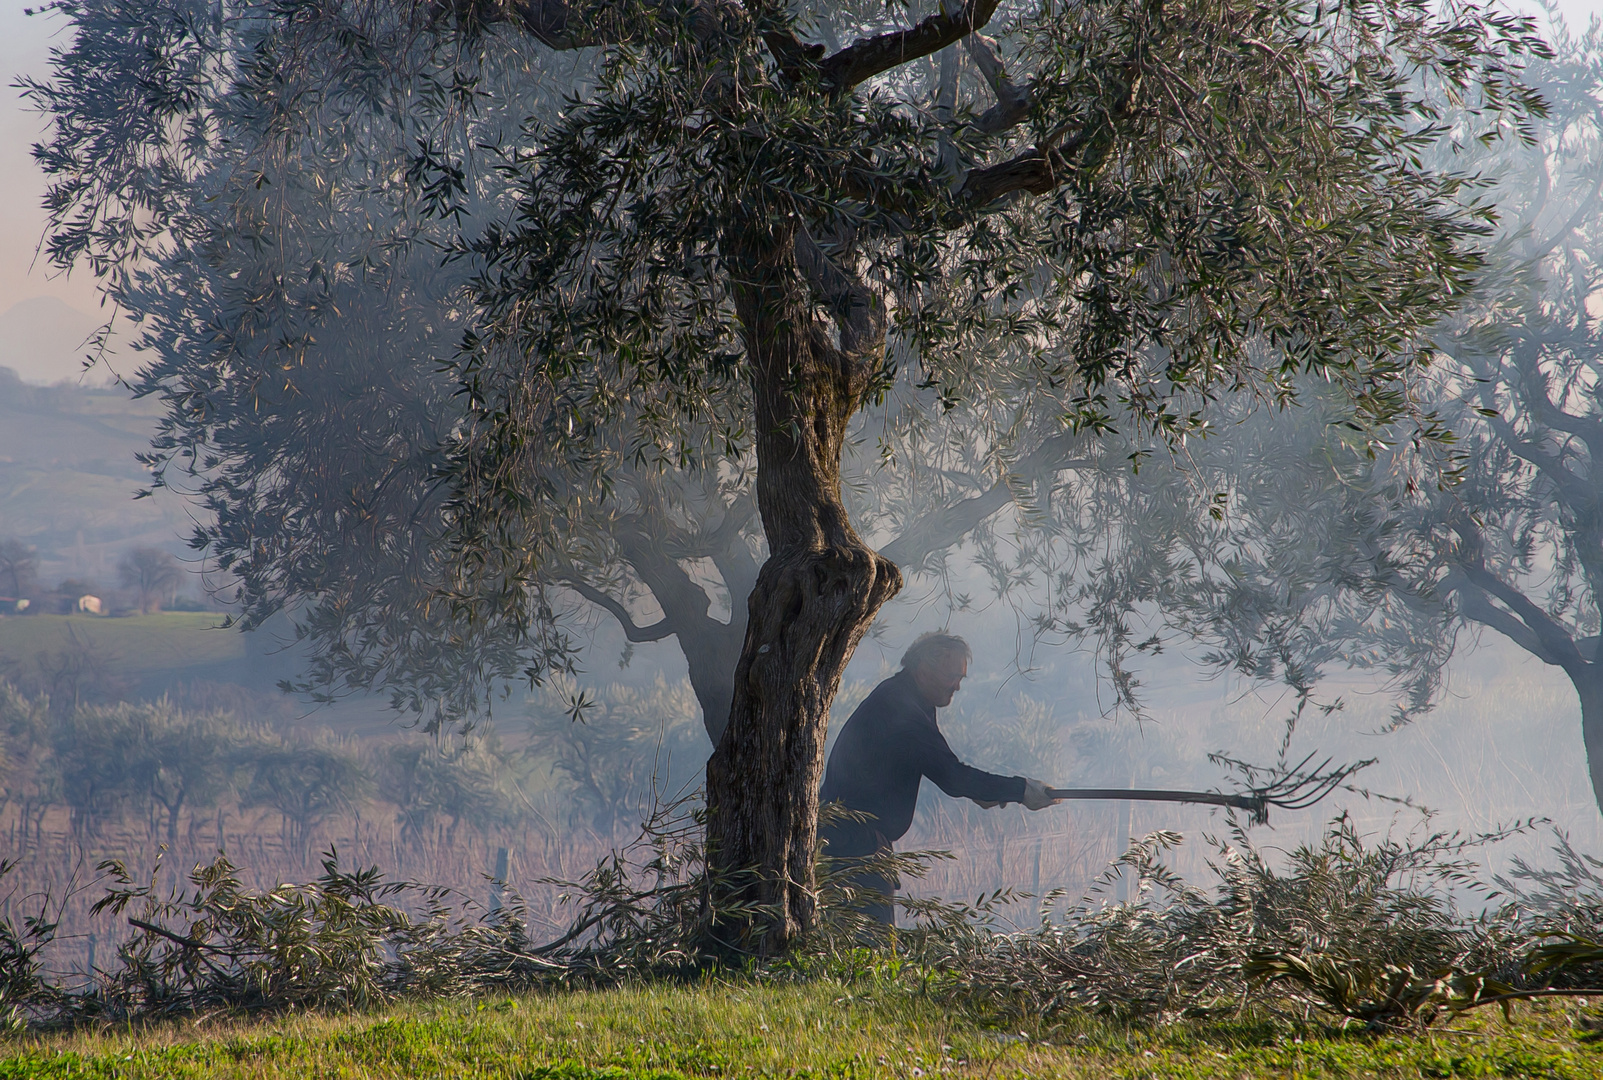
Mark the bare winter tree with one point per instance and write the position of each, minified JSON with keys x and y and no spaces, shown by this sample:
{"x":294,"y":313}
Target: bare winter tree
{"x":19,"y":566}
{"x":153,"y":574}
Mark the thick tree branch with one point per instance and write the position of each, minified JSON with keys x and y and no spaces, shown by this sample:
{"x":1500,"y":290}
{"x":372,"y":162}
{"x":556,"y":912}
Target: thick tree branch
{"x":1573,"y":489}
{"x":791,"y":55}
{"x":681,"y":599}
{"x":1489,"y":376}
{"x":1475,"y":605}
{"x":944,"y":527}
{"x":1557,"y":646}
{"x":1035,"y":172}
{"x":1044,"y":166}
{"x":867,"y":57}
{"x":1012,"y":104}
{"x":638,"y":634}
{"x":1582,"y":212}
{"x":1522,"y":369}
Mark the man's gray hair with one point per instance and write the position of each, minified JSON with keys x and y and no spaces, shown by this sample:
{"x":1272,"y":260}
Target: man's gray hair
{"x":928,"y":647}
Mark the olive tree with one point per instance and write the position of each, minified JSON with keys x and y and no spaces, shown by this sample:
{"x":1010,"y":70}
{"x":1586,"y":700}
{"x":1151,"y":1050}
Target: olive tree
{"x":1506,"y":529}
{"x":121,"y":760}
{"x":723,"y":233}
{"x":305,"y":782}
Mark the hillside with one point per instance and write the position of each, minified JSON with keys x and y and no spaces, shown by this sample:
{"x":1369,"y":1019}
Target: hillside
{"x":44,"y":340}
{"x":68,"y":478}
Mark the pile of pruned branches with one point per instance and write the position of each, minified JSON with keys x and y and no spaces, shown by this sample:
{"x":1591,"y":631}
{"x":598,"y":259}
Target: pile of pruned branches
{"x":1353,"y":932}
{"x":1347,"y":931}
{"x":351,"y":939}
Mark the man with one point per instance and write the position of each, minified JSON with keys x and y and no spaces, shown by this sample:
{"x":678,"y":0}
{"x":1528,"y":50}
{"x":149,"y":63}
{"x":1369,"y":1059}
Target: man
{"x":891,"y":743}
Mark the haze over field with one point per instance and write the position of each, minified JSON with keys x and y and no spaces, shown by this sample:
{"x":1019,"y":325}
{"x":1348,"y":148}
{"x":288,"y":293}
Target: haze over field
{"x":1503,"y":746}
{"x":651,"y":482}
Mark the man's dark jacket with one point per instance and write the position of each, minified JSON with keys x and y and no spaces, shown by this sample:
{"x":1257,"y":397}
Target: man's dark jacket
{"x":887,"y":746}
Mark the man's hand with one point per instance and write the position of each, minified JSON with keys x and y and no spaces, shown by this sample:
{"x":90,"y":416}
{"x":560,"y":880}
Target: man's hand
{"x":1035,"y":796}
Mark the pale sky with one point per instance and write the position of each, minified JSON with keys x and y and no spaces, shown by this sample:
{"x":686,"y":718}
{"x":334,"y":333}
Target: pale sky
{"x":25,"y":42}
{"x":24,"y":49}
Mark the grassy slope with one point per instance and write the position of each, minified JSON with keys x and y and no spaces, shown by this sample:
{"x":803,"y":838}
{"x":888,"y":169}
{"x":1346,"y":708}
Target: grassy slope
{"x":821,"y":1029}
{"x":172,"y":639}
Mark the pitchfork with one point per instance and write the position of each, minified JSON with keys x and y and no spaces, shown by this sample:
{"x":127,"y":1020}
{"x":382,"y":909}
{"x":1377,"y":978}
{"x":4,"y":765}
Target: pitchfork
{"x":1294,"y":790}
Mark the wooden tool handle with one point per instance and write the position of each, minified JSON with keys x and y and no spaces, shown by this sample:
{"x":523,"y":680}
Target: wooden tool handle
{"x":1210,"y":798}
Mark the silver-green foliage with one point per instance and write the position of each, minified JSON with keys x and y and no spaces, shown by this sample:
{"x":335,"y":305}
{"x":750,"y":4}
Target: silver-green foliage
{"x":268,"y":191}
{"x":129,"y":761}
{"x":1358,"y":930}
{"x":618,"y":751}
{"x":1501,"y":528}
{"x":268,"y":188}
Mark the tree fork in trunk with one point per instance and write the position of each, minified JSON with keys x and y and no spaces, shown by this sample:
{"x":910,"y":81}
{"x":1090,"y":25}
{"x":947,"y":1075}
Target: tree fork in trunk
{"x":814,"y":599}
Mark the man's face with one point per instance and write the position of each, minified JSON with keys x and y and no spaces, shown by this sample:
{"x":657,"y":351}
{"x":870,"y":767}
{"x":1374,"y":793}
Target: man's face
{"x":940,"y":678}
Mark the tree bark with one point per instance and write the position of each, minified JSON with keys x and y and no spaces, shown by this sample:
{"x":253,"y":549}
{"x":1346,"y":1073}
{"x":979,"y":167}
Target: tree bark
{"x":1589,"y":685}
{"x":814,"y":599}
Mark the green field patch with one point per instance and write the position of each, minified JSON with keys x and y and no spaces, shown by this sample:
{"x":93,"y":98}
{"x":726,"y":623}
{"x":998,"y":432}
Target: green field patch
{"x":142,"y":643}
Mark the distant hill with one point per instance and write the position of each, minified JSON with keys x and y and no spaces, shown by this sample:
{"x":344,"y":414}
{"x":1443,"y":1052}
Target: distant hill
{"x":68,"y":478}
{"x":44,"y":341}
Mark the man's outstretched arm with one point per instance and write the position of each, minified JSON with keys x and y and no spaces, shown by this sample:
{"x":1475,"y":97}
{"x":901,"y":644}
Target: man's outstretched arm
{"x":938,"y":762}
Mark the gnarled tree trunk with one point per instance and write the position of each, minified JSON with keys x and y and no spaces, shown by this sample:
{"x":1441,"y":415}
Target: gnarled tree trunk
{"x":814,"y":599}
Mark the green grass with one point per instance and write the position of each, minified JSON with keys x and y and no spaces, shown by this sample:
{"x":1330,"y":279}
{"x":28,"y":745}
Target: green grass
{"x":823,"y":1029}
{"x":171,"y":639}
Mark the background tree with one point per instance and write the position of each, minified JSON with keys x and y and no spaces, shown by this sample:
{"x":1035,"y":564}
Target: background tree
{"x":191,"y":761}
{"x":153,"y":574}
{"x":150,"y":760}
{"x":80,"y":673}
{"x":620,"y":753}
{"x":472,"y":782}
{"x":725,"y":245}
{"x":19,"y":567}
{"x":305,"y":783}
{"x":1507,"y":532}
{"x":1498,"y":530}
{"x":26,"y":779}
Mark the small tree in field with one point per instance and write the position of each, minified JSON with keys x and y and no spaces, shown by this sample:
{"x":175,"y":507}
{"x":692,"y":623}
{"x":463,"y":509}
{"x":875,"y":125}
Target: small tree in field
{"x":153,"y":574}
{"x":152,"y":760}
{"x":724,"y":243}
{"x":19,"y":566}
{"x":427,"y":781}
